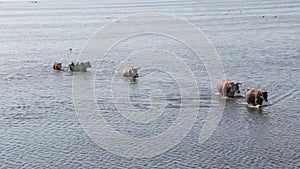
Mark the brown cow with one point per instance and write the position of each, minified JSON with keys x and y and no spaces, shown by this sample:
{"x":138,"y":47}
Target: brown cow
{"x":57,"y":66}
{"x":228,"y":88}
{"x":255,"y":97}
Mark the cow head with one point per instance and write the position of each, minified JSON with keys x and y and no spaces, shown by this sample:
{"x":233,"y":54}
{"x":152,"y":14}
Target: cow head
{"x":260,"y":97}
{"x":57,"y":66}
{"x":134,"y":72}
{"x":88,"y":64}
{"x":71,"y":66}
{"x":265,"y":96}
{"x":234,"y":87}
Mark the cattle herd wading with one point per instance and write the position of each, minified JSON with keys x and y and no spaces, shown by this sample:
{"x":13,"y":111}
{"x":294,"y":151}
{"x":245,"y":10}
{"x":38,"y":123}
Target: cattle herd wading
{"x":225,"y":88}
{"x":253,"y":96}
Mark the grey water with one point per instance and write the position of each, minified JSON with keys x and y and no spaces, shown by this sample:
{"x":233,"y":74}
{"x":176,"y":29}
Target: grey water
{"x":258,"y":43}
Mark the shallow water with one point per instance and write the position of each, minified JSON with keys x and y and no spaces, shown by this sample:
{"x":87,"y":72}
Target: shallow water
{"x":257,"y":42}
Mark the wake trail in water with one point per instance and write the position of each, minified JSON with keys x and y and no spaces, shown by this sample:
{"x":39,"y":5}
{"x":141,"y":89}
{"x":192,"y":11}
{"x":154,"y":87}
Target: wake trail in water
{"x":290,"y":94}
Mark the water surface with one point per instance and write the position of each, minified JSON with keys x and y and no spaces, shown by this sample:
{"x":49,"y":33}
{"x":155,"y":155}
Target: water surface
{"x":257,"y":41}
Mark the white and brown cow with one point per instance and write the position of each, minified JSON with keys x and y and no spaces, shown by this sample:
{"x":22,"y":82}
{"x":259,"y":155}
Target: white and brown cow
{"x":79,"y":66}
{"x":228,"y":88}
{"x":57,"y":66}
{"x":255,"y":97}
{"x":130,"y":72}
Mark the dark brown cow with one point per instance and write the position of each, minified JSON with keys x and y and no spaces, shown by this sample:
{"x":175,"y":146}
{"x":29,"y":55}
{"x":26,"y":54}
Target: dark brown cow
{"x":256,"y":97}
{"x":228,"y":88}
{"x":57,"y":66}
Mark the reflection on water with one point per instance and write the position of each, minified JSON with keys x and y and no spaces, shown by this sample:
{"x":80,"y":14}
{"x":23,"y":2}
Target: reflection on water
{"x":258,"y":45}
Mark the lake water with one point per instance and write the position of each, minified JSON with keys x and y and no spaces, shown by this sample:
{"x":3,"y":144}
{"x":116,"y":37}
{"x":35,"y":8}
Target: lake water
{"x":258,"y":43}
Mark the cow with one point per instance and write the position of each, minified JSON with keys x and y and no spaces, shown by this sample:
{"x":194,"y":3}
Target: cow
{"x":57,"y":66}
{"x":130,"y":72}
{"x":228,"y":88}
{"x":255,"y":97}
{"x":79,"y":66}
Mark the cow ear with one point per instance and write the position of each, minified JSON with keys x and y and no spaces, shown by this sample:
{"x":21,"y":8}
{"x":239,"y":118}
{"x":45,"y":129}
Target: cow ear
{"x":239,"y":83}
